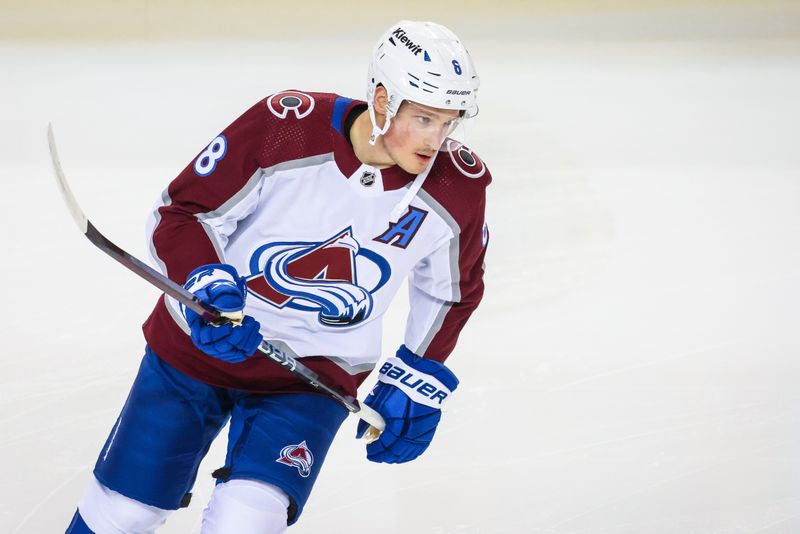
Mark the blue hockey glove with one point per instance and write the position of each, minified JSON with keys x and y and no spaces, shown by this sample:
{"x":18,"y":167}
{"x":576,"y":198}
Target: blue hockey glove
{"x":221,"y":286}
{"x":409,"y":395}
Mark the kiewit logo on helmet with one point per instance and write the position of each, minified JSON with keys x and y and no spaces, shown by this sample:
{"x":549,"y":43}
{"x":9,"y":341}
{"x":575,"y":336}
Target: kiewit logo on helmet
{"x":400,"y":33}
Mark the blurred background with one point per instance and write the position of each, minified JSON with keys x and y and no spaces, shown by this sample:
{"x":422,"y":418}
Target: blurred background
{"x":634,"y":365}
{"x":565,"y":20}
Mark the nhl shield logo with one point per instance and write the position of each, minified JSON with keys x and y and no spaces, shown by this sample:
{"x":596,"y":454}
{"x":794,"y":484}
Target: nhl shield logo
{"x":368,"y":178}
{"x":299,"y":457}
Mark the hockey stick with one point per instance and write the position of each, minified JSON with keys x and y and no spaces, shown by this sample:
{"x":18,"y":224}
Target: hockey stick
{"x":208,"y":313}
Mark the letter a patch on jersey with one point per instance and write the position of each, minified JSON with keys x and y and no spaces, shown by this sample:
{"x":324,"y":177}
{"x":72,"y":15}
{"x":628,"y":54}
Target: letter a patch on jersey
{"x":320,"y":277}
{"x":401,"y":233}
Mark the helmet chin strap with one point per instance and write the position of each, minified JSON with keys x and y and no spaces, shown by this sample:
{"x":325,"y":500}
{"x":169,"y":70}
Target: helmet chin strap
{"x":413,"y":189}
{"x":377,"y":132}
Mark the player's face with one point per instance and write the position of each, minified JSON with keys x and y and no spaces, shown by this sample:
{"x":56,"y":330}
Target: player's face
{"x":416,"y":133}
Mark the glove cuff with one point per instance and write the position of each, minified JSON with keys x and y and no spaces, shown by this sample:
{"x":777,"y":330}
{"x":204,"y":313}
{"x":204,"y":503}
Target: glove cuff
{"x":201,"y":276}
{"x":428,"y":366}
{"x":424,"y":381}
{"x":214,"y":274}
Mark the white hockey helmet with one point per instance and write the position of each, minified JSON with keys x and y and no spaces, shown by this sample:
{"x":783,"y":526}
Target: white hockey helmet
{"x":421,"y":62}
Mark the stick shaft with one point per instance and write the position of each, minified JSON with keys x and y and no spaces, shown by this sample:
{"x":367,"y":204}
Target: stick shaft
{"x":185,"y":297}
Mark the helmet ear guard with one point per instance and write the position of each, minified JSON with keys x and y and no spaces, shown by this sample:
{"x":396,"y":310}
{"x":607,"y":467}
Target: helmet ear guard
{"x":421,"y":62}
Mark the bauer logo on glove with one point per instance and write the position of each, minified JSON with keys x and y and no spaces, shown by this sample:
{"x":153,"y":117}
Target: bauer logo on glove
{"x":427,"y":390}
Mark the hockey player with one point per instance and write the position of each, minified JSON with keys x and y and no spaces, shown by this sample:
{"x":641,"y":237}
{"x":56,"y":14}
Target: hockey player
{"x":300,"y":221}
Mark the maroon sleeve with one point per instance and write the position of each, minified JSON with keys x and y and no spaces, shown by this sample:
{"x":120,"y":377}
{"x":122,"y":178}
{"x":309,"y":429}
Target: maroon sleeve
{"x":470,"y":266}
{"x":464,"y":199}
{"x":220,"y":171}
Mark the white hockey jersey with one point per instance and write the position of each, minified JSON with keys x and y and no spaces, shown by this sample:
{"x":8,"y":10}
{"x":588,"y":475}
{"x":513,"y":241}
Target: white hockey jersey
{"x":281,"y":196}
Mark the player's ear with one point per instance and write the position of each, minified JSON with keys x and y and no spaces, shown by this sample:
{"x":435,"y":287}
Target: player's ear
{"x":380,"y":100}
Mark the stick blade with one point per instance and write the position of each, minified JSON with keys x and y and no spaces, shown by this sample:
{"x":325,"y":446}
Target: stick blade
{"x":74,"y":209}
{"x":374,"y":419}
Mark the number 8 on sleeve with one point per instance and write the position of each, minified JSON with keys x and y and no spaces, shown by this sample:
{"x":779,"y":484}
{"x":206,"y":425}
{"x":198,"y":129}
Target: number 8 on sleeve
{"x":206,"y":162}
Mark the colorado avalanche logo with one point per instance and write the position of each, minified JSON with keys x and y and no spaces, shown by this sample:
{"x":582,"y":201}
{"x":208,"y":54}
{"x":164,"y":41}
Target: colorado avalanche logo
{"x":467,"y":161}
{"x":297,"y":456}
{"x":319,"y":277}
{"x":280,"y":104}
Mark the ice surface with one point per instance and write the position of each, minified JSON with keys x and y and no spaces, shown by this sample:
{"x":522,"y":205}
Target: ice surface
{"x":633,"y":369}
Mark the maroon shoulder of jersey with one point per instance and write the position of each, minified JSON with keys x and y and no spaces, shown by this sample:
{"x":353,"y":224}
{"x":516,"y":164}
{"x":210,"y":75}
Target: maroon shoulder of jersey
{"x":299,"y":124}
{"x":305,"y":124}
{"x":458,"y":181}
